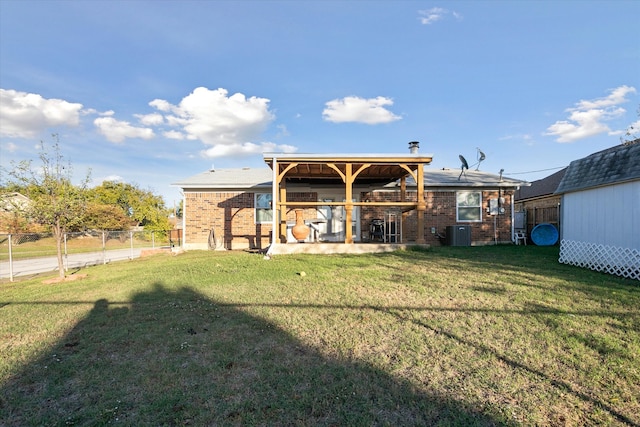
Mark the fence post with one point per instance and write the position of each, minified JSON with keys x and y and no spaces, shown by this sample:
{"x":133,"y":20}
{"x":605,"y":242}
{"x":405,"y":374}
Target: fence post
{"x":104,"y":250}
{"x":10,"y":261}
{"x":131,"y":240}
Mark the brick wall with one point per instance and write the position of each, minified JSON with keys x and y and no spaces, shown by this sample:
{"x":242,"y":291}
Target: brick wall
{"x":232,"y":217}
{"x":440,"y":213}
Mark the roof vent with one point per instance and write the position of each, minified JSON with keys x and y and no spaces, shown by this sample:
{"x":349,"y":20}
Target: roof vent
{"x":413,"y":147}
{"x":213,"y":168}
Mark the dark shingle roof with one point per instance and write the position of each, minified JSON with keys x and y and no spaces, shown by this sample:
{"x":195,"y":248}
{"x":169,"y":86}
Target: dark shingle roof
{"x":614,"y":165}
{"x":542,"y":187}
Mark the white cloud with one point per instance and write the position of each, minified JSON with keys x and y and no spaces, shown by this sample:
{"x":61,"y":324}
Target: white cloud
{"x":153,"y":119}
{"x":589,"y":117}
{"x":432,"y":15}
{"x":217,"y":119}
{"x":10,"y":147}
{"x":25,"y":115}
{"x":617,"y":96}
{"x":354,"y":109}
{"x":435,"y":14}
{"x":246,"y":149}
{"x":282,"y":131}
{"x":117,"y":130}
{"x":161,"y":105}
{"x":174,"y":134}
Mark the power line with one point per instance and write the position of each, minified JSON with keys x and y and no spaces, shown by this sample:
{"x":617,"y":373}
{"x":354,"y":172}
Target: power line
{"x":541,"y":170}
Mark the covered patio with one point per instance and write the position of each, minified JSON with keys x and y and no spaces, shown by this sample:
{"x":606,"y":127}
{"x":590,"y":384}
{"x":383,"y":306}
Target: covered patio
{"x":346,"y":171}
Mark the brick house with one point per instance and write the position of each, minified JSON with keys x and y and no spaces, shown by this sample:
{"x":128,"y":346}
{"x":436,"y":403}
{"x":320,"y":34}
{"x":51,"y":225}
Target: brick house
{"x":233,"y":208}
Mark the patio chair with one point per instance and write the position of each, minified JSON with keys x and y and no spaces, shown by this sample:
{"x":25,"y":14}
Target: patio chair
{"x":520,"y":236}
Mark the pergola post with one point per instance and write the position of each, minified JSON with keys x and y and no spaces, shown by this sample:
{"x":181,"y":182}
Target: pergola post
{"x":372,"y":168}
{"x":282,"y":208}
{"x":348,"y":206}
{"x":421,"y":206}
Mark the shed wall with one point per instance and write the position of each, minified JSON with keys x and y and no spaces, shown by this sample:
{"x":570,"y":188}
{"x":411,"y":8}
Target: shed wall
{"x":607,"y":215}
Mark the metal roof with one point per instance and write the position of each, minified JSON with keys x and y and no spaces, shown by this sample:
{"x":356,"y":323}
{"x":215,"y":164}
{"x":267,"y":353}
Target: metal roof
{"x":611,"y":166}
{"x":470,"y":178}
{"x":229,"y":179}
{"x":247,"y":178}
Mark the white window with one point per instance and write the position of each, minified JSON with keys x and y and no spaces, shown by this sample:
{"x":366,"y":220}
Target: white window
{"x":264,"y":211}
{"x":469,"y":206}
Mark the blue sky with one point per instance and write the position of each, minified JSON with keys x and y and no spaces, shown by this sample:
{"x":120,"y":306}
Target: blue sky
{"x":152,"y":92}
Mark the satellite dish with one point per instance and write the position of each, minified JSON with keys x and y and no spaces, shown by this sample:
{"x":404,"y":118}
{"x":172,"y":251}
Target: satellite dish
{"x":481,"y":157}
{"x":464,"y":165}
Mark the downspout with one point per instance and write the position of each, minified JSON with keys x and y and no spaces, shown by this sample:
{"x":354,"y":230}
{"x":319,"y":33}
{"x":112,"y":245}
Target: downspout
{"x":513,"y":217}
{"x":274,"y":205}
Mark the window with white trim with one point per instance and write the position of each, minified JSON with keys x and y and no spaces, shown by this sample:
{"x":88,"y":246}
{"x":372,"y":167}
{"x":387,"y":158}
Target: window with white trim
{"x":469,"y":206}
{"x":264,"y":211}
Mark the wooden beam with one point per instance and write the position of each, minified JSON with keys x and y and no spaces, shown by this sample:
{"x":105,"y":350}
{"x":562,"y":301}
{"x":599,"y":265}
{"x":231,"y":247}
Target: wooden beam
{"x":335,"y":168}
{"x":421,"y":207}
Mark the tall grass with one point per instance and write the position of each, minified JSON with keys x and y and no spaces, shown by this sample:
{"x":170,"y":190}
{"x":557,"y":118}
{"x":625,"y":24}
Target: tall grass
{"x":449,"y":336}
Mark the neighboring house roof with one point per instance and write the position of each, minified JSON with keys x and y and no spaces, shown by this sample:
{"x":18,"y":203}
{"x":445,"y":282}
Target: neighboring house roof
{"x":11,"y":201}
{"x":229,"y":179}
{"x":247,"y":178}
{"x":614,"y":165}
{"x":542,"y":187}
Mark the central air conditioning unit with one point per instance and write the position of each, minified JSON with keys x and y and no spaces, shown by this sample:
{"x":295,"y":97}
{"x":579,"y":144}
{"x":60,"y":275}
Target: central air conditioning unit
{"x":458,"y":235}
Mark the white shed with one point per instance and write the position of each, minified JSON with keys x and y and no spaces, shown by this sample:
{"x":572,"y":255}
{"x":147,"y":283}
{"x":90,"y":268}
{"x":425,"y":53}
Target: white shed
{"x":600,"y":211}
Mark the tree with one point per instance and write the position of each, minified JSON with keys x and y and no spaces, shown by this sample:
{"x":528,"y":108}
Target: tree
{"x":99,"y":216}
{"x":141,"y":206}
{"x":55,"y":201}
{"x":631,"y":135}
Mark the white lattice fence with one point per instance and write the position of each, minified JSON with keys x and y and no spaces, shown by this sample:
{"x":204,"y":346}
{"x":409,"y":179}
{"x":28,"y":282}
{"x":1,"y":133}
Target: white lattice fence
{"x":610,"y":259}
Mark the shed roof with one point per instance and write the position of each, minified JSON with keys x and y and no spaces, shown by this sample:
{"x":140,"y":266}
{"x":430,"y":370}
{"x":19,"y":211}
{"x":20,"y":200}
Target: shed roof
{"x":611,"y":166}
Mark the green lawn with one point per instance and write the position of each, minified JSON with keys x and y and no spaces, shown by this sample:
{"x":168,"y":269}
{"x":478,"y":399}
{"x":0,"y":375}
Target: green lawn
{"x":500,"y":335}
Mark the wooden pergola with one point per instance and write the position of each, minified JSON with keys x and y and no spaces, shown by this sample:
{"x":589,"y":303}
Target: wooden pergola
{"x":348,"y":169}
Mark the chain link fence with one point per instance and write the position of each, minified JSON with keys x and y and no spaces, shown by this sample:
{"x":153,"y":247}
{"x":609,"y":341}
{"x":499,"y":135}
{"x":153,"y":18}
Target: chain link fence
{"x":32,"y":253}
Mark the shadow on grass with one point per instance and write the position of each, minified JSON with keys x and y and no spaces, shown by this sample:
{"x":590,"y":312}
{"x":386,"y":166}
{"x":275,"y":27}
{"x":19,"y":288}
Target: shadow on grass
{"x":519,"y":263}
{"x":178,"y":358}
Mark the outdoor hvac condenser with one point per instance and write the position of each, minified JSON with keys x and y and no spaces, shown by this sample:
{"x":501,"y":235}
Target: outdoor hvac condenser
{"x":458,"y":235}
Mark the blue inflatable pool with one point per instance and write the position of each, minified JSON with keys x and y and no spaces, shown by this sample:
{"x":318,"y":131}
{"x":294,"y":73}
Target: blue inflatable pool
{"x":544,"y":235}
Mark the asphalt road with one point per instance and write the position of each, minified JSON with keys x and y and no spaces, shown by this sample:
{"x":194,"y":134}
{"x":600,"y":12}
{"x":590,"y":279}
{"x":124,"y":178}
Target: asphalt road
{"x":72,"y":261}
